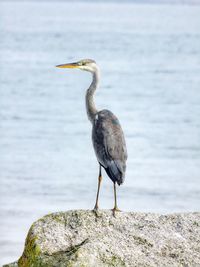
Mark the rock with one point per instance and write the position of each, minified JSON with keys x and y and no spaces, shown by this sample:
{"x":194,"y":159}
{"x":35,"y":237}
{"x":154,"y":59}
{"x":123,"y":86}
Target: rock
{"x":14,"y":264}
{"x":81,"y":239}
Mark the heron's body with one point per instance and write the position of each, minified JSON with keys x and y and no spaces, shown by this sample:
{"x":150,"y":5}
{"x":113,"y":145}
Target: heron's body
{"x":109,"y":145}
{"x":107,"y":135}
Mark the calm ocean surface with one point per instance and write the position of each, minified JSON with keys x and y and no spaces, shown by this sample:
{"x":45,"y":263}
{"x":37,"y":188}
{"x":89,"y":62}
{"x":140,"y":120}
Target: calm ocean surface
{"x":149,"y":57}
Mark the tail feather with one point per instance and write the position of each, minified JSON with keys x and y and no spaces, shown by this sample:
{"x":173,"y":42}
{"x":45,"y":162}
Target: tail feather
{"x":114,"y":172}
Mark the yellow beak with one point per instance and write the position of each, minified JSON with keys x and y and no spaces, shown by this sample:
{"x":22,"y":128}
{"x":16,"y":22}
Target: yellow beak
{"x":69,"y":66}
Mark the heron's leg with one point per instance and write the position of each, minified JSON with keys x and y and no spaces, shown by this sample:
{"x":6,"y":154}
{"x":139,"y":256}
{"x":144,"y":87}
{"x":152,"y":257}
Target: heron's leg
{"x":115,"y":196}
{"x":99,"y":184}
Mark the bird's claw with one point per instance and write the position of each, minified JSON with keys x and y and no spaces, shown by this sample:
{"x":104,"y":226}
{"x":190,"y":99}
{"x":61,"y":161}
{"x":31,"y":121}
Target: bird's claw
{"x":96,"y":211}
{"x":114,"y":210}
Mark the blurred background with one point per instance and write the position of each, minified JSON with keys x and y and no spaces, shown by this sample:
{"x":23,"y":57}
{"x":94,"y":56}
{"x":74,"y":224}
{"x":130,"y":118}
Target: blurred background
{"x":149,"y":55}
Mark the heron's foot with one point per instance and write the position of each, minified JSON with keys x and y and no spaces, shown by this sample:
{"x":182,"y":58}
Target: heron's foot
{"x":114,"y":210}
{"x":96,"y":210}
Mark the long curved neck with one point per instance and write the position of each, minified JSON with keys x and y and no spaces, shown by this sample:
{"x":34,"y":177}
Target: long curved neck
{"x":90,"y":105}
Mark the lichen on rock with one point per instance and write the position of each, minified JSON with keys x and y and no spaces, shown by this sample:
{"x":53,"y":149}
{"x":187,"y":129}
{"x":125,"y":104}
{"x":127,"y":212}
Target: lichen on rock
{"x":81,"y":239}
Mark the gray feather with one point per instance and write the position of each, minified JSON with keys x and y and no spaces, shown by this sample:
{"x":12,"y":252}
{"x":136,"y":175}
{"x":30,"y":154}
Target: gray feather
{"x":109,"y":145}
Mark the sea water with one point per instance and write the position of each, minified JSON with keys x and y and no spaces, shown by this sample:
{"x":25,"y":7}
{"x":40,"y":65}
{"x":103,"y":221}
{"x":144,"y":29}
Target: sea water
{"x":149,"y":56}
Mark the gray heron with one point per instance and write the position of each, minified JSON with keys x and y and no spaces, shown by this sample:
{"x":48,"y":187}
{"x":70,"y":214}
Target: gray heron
{"x":107,"y":135}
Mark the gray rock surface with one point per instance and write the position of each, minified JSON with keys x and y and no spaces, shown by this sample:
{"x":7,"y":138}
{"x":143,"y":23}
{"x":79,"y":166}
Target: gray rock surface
{"x":81,"y":239}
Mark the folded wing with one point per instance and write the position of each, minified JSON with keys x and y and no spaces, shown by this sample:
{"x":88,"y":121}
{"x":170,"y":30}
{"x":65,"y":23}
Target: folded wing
{"x":109,"y":145}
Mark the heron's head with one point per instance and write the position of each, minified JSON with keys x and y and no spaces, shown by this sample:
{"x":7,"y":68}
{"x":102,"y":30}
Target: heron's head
{"x":84,"y":64}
